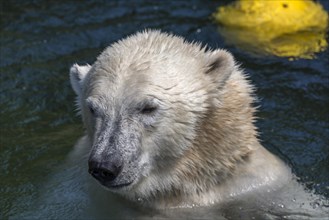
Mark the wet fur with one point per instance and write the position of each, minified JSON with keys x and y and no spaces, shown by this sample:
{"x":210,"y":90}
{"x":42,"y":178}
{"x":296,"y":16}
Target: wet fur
{"x":200,"y":147}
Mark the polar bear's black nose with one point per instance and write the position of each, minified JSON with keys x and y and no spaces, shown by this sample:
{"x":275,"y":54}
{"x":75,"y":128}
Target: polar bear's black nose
{"x":104,"y":171}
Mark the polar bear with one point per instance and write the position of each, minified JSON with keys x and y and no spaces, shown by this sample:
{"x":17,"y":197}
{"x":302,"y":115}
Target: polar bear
{"x":171,"y":124}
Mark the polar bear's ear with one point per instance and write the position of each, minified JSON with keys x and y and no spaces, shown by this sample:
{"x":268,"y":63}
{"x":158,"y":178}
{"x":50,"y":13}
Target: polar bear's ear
{"x":219,"y":66}
{"x":77,"y":75}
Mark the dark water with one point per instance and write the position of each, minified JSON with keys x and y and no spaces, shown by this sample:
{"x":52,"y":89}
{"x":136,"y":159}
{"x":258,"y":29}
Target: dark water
{"x":40,"y":40}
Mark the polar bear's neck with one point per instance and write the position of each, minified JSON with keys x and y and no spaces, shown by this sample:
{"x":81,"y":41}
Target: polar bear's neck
{"x":225,"y":139}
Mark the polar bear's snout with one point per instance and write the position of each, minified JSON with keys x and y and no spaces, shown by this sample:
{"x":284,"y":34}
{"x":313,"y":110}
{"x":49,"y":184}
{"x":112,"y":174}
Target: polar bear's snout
{"x":105,"y":172}
{"x":114,"y":159}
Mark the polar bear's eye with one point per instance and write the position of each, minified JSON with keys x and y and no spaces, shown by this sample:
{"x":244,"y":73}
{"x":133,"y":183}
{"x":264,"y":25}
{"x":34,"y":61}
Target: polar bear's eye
{"x":148,"y":109}
{"x":91,"y":104}
{"x":92,"y":110}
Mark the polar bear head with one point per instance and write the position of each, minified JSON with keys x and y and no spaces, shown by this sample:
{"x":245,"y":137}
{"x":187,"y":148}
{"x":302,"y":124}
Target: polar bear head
{"x":143,"y":102}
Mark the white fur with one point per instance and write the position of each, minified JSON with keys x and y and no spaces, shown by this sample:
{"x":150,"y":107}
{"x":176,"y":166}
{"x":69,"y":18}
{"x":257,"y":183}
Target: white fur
{"x":204,"y":149}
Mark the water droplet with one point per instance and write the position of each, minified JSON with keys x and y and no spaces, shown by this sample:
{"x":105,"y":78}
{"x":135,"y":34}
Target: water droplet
{"x":315,"y":205}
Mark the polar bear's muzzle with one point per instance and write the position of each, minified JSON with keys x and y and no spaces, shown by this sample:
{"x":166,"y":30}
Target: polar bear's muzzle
{"x":105,"y":172}
{"x":115,"y":154}
{"x":110,"y":173}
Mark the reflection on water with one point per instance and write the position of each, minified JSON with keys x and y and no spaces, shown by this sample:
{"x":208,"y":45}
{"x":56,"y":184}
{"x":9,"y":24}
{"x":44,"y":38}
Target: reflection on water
{"x":296,"y":45}
{"x":40,"y":40}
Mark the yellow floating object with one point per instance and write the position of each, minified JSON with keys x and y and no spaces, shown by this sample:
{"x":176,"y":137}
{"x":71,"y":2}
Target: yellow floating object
{"x":289,"y":28}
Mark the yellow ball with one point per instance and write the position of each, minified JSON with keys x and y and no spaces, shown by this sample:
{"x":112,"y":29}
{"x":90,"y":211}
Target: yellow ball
{"x":292,"y":28}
